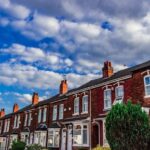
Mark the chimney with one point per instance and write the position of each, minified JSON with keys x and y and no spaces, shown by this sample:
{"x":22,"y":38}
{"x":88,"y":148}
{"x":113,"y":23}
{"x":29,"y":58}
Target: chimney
{"x":63,"y":87}
{"x":15,"y":108}
{"x":107,"y":69}
{"x":35,"y":98}
{"x":2,"y":112}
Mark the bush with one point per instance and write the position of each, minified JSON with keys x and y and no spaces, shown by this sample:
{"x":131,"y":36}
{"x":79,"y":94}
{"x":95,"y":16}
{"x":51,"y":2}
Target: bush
{"x":101,"y":148}
{"x":34,"y":147}
{"x":18,"y":145}
{"x":127,"y":127}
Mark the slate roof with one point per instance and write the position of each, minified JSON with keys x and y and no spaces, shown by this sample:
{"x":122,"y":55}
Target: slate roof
{"x":116,"y":75}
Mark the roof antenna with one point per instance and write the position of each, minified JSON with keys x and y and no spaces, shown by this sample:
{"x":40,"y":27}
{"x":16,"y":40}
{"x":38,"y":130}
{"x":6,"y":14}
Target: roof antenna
{"x":64,"y":77}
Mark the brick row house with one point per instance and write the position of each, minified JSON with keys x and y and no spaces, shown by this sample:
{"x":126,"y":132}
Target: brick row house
{"x":75,"y":119}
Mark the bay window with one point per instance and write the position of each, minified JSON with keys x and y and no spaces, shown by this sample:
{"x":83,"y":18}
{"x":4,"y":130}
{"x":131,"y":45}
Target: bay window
{"x":85,"y":104}
{"x":61,"y":111}
{"x":107,"y":99}
{"x":53,"y":137}
{"x":55,"y":112}
{"x":147,"y":85}
{"x":119,"y":93}
{"x":76,"y":105}
{"x":80,"y":135}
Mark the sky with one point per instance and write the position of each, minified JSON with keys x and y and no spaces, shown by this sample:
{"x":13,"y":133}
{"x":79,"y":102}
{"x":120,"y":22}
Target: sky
{"x":42,"y":40}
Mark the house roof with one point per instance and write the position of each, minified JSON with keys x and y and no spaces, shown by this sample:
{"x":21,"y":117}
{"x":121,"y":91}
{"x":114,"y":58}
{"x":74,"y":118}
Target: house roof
{"x":57,"y":97}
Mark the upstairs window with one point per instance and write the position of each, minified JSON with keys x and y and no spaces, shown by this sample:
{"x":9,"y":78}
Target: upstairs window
{"x":55,"y":112}
{"x":26,"y":118}
{"x":119,"y":93}
{"x":107,"y":99}
{"x":76,"y":105}
{"x":39,"y":115}
{"x":85,"y":104}
{"x":44,"y":114}
{"x":30,"y":119}
{"x":61,"y":111}
{"x":147,"y":85}
{"x":16,"y":121}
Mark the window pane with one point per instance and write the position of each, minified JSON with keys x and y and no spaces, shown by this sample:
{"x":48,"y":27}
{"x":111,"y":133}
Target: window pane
{"x":119,"y":91}
{"x":77,"y":136}
{"x":147,"y":90}
{"x":147,"y":80}
{"x":76,"y":105}
{"x":56,"y":139}
{"x":85,"y":136}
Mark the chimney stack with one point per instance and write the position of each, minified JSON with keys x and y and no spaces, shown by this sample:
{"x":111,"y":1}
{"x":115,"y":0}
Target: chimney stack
{"x":35,"y":98}
{"x":2,"y":112}
{"x":15,"y":108}
{"x":107,"y":69}
{"x":63,"y":87}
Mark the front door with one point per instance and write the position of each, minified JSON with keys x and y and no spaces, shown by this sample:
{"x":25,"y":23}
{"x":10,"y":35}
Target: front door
{"x":63,"y":142}
{"x":69,"y":142}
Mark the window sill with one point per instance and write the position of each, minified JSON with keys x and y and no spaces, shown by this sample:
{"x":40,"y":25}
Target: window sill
{"x":76,"y":114}
{"x":80,"y":145}
{"x":147,"y":96}
{"x":107,"y":109}
{"x":86,"y":112}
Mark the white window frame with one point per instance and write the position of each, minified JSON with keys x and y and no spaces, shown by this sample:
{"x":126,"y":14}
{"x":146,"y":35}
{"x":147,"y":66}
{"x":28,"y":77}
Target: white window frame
{"x":76,"y":105}
{"x":108,"y":107}
{"x":82,"y":125}
{"x":54,"y":112}
{"x":44,"y":114}
{"x":85,"y":104}
{"x":145,"y":86}
{"x":39,"y":115}
{"x":54,"y":130}
{"x":61,"y":111}
{"x":119,"y":98}
{"x":17,"y":121}
{"x":8,"y":125}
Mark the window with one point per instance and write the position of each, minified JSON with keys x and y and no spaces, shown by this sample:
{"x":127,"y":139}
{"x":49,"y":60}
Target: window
{"x":147,"y":85}
{"x":25,"y":121}
{"x":7,"y":124}
{"x":107,"y":98}
{"x":16,"y":121}
{"x":76,"y":105}
{"x":119,"y":92}
{"x":1,"y":123}
{"x":44,"y":114}
{"x":30,"y":119}
{"x":39,"y":115}
{"x":85,"y":104}
{"x":55,"y":112}
{"x":61,"y":111}
{"x":53,"y":137}
{"x":80,"y":135}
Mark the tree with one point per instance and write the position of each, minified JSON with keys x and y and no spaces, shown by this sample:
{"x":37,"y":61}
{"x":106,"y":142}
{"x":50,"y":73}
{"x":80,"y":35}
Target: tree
{"x":127,"y":127}
{"x":18,"y":145}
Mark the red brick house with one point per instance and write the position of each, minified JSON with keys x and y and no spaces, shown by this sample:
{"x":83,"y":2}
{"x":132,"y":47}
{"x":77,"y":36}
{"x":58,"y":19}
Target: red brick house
{"x":75,"y":119}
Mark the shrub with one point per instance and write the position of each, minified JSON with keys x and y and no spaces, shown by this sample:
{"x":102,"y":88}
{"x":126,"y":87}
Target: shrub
{"x":34,"y":147}
{"x":127,"y":127}
{"x":18,"y":145}
{"x":101,"y":148}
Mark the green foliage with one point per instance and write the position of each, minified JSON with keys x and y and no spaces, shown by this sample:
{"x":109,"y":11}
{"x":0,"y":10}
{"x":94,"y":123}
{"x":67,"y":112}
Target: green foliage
{"x":34,"y":147}
{"x":127,"y":127}
{"x":18,"y":145}
{"x":101,"y":148}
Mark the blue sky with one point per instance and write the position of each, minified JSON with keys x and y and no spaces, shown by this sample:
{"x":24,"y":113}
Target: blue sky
{"x":39,"y":42}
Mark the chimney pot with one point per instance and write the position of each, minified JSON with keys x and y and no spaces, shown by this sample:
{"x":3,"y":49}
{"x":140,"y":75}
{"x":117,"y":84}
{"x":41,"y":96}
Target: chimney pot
{"x":63,"y":87}
{"x":107,"y":69}
{"x":35,"y":98}
{"x":15,"y":108}
{"x":2,"y":112}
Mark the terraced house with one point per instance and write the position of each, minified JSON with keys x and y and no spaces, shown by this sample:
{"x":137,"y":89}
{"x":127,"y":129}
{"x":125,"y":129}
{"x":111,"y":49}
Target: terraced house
{"x":75,"y":118}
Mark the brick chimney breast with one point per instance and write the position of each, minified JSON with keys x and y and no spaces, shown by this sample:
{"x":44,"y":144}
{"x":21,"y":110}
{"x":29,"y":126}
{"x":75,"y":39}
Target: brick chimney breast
{"x":2,"y":112}
{"x":15,"y":108}
{"x":107,"y":69}
{"x":35,"y":98}
{"x":63,"y":87}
